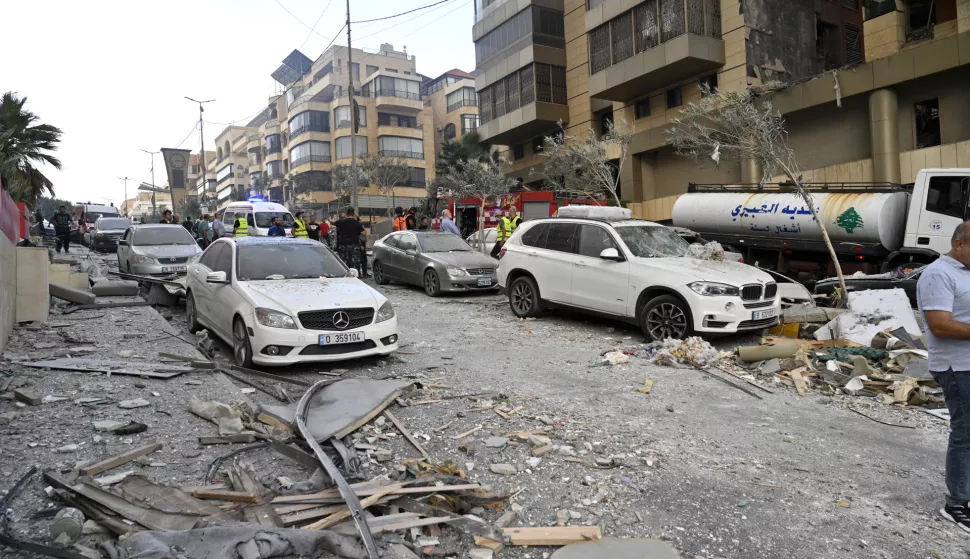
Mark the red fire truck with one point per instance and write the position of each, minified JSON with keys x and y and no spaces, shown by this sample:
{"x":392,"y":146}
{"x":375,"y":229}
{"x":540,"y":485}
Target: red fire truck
{"x":530,"y":205}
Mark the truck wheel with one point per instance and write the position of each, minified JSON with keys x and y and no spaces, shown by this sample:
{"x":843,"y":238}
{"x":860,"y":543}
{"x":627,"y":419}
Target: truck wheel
{"x":524,"y":297}
{"x":665,"y":317}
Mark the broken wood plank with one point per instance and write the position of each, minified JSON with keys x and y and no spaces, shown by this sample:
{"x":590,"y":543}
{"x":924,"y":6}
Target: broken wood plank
{"x":501,"y":414}
{"x":120,"y":459}
{"x":225,"y":495}
{"x":308,"y":514}
{"x":553,"y":535}
{"x":494,"y":545}
{"x":338,"y":516}
{"x":515,"y":410}
{"x":242,"y":438}
{"x":467,"y":433}
{"x":408,"y":524}
{"x":425,"y":402}
{"x":296,"y":455}
{"x":800,"y":385}
{"x":373,"y":490}
{"x":443,"y":427}
{"x":727,"y":382}
{"x":273,"y":422}
{"x":407,"y":434}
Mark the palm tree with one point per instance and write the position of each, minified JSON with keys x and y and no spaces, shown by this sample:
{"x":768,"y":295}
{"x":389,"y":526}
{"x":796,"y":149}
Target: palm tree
{"x":23,"y":144}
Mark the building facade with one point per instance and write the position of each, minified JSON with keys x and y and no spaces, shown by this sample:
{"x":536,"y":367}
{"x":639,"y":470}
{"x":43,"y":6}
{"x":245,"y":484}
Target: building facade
{"x":871,"y":90}
{"x":454,"y":105}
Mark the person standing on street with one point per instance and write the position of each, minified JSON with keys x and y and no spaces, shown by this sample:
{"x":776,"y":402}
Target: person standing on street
{"x":218,"y":227}
{"x":349,"y":231}
{"x":411,"y":220}
{"x":277,"y":229}
{"x":204,"y":231}
{"x":424,"y":225}
{"x":166,"y":217}
{"x":400,"y":222}
{"x":363,"y":252}
{"x":313,"y":228}
{"x":447,"y":224}
{"x":506,"y":226}
{"x":62,"y":228}
{"x":299,"y":226}
{"x":325,"y":232}
{"x":189,"y":225}
{"x":943,"y":296}
{"x":241,"y":227}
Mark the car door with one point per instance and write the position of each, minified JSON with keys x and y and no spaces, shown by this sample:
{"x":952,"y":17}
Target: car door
{"x":223,"y":300}
{"x":599,"y":284}
{"x":124,"y":249}
{"x":202,"y":290}
{"x":391,"y":257}
{"x":551,"y":261}
{"x":408,"y":255}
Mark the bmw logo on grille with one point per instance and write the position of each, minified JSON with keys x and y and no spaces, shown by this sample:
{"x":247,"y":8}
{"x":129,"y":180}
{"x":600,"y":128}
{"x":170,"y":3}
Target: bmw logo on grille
{"x":341,"y":320}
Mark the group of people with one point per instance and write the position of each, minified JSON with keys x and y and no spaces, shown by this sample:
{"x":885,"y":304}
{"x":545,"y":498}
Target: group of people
{"x":206,"y":229}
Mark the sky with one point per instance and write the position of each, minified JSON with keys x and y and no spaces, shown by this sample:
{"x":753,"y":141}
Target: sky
{"x":113,"y":74}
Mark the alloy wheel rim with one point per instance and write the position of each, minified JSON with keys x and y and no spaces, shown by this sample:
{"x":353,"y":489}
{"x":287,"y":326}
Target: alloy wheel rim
{"x":430,"y":281}
{"x":240,"y":339}
{"x":522,"y":298}
{"x":378,"y":272}
{"x":666,"y":321}
{"x":190,"y":311}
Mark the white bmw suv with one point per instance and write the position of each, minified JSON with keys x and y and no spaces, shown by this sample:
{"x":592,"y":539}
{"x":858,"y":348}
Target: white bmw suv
{"x":635,"y":271}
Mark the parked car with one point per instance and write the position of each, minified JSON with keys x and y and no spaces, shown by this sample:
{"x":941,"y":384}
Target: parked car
{"x":438,"y":262}
{"x":156,"y":250}
{"x":87,"y":215}
{"x":106,"y":233}
{"x":635,"y":271}
{"x":904,"y":278}
{"x":280,"y":301}
{"x":475,"y":241}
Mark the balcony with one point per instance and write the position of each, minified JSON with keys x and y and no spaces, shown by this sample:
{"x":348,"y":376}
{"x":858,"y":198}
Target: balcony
{"x":463,"y":103}
{"x":271,"y":126}
{"x":397,"y":99}
{"x":653,"y":46}
{"x":523,"y":123}
{"x":309,"y":159}
{"x":402,"y":154}
{"x":403,"y":131}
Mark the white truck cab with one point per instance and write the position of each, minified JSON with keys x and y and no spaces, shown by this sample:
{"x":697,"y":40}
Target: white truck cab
{"x":938,"y":204}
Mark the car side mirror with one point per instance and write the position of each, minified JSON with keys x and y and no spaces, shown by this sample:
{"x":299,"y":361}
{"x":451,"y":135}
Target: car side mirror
{"x":216,"y":277}
{"x":410,"y":251}
{"x":611,"y":254}
{"x":123,"y":243}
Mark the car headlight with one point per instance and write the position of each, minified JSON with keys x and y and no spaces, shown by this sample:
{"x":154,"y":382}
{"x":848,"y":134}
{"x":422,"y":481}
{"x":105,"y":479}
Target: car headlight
{"x":143,"y":259}
{"x":275,"y":319}
{"x":713,"y":289}
{"x":456,"y":272}
{"x":386,"y":312}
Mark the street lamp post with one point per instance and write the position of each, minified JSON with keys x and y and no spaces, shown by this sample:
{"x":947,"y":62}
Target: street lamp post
{"x":152,"y":153}
{"x":201,"y":137}
{"x":125,"y":201}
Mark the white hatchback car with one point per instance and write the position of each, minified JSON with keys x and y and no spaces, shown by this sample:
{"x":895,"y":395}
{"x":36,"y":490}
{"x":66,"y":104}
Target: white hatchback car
{"x":280,"y":301}
{"x":634,"y":271}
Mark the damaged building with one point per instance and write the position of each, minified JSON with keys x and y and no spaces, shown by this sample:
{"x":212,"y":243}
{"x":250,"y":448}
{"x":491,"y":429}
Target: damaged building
{"x":872,"y":90}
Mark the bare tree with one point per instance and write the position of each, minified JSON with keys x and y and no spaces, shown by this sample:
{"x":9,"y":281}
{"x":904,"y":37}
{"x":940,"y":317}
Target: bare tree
{"x":731,"y":126}
{"x":482,"y":180}
{"x":587,"y":166}
{"x":385,"y":173}
{"x":342,"y":180}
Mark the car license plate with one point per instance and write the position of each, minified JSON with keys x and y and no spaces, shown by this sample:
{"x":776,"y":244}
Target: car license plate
{"x":761,"y":315}
{"x":166,"y":269}
{"x":341,"y":338}
{"x":484,"y":282}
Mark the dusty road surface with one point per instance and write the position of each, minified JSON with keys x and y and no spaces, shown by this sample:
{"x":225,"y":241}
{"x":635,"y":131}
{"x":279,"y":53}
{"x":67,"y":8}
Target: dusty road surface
{"x":713,"y":471}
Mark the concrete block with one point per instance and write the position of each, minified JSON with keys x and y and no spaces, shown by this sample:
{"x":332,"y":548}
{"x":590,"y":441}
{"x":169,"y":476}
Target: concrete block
{"x":115,"y":288}
{"x":71,"y":294}
{"x":28,"y":397}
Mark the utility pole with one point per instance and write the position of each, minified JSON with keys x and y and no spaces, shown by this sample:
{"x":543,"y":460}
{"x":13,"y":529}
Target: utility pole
{"x":153,"y":154}
{"x":353,"y":118}
{"x":205,"y":183}
{"x":125,"y":201}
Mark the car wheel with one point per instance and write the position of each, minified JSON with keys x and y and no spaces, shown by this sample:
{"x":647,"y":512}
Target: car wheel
{"x":524,"y":297}
{"x":431,"y":284}
{"x":378,"y":270}
{"x":665,"y":317}
{"x":242,"y":351}
{"x":191,"y":317}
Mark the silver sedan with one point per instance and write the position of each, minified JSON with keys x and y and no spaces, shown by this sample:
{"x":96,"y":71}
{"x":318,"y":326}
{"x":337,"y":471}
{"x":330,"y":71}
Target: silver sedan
{"x":157,"y":250}
{"x":438,"y":262}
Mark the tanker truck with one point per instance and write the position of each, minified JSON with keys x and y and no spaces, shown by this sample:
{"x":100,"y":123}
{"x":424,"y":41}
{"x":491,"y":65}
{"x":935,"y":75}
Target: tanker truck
{"x":874,"y":227}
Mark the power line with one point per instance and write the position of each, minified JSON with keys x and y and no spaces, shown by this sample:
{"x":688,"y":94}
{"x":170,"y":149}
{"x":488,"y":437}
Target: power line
{"x":402,"y":13}
{"x":317,"y":22}
{"x":312,"y":30}
{"x":399,"y":24}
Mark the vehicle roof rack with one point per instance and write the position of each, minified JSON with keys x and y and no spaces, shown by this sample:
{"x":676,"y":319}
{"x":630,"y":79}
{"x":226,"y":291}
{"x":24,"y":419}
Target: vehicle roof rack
{"x":813,"y":186}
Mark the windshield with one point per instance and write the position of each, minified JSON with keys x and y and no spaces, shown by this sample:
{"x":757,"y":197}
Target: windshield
{"x":443,"y":242}
{"x":154,"y":236}
{"x":648,"y":241}
{"x":265,"y":219}
{"x":113,"y":223}
{"x":288,"y":261}
{"x":91,"y":217}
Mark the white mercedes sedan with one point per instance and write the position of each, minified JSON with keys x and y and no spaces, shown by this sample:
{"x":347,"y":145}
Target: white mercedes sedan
{"x":280,"y":301}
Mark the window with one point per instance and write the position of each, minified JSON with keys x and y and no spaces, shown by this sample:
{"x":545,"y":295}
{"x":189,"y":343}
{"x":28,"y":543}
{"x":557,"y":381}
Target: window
{"x":309,"y":121}
{"x":396,"y":87}
{"x":561,"y":237}
{"x":605,"y":118}
{"x":273,"y":143}
{"x":341,"y":116}
{"x":274,"y":169}
{"x":518,"y":151}
{"x":828,"y":45}
{"x":642,"y":108}
{"x":224,"y":173}
{"x":395,"y":146}
{"x":309,"y":152}
{"x":542,"y":26}
{"x":464,"y":97}
{"x":593,"y":240}
{"x":927,"y":123}
{"x":223,"y":260}
{"x":211,"y":255}
{"x":392,"y":70}
{"x":371,"y":69}
{"x":342,"y":146}
{"x":449,"y":132}
{"x":945,"y":195}
{"x":533,"y":237}
{"x":418,"y":179}
{"x":355,"y":71}
{"x":469,"y":123}
{"x":675,"y":98}
{"x":403,"y":121}
{"x":290,"y":260}
{"x":709,"y":83}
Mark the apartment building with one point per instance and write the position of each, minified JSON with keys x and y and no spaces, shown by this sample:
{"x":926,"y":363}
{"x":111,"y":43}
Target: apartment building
{"x":454,"y":105}
{"x":871,"y":90}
